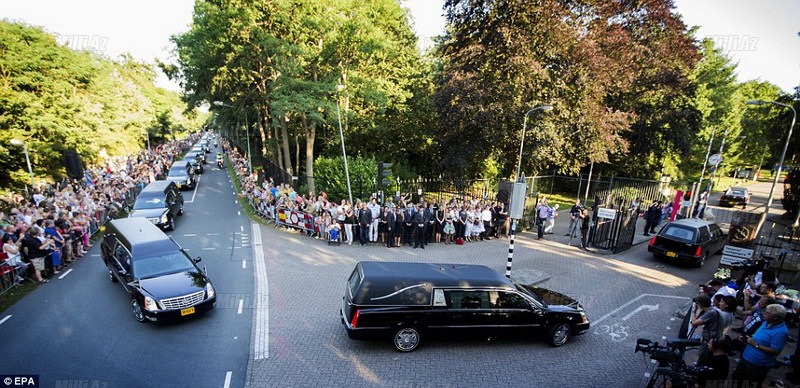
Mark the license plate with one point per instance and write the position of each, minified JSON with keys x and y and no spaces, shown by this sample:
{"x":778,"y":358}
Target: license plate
{"x":671,"y":254}
{"x":188,"y":311}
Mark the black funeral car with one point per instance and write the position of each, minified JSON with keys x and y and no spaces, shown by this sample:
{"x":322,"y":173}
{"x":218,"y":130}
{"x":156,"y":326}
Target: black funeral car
{"x":160,"y":202}
{"x":407,"y":302}
{"x":164,"y":283}
{"x":735,"y":196}
{"x":689,"y":240}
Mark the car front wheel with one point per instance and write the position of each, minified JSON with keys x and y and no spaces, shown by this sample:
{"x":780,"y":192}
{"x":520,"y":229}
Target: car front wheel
{"x":137,"y":311}
{"x":406,"y":339}
{"x":558,"y":334}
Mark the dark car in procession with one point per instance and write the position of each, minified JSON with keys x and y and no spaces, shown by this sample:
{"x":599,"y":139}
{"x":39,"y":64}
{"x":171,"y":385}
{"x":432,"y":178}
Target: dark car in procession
{"x":164,"y":283}
{"x":407,"y":302}
{"x":735,"y":196}
{"x":160,"y":202}
{"x":689,"y":240}
{"x":183,"y":175}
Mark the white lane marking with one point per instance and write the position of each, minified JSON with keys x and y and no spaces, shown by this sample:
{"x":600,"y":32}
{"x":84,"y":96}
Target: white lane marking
{"x":238,"y":212}
{"x":209,"y":249}
{"x":196,"y":185}
{"x":227,"y":379}
{"x":244,"y":264}
{"x":261,"y":317}
{"x":190,"y":235}
{"x":212,"y":234}
{"x":245,"y":245}
{"x":632,"y":301}
{"x":237,"y":247}
{"x":96,"y":255}
{"x":66,"y":273}
{"x":4,"y":319}
{"x":241,"y":306}
{"x":241,"y":227}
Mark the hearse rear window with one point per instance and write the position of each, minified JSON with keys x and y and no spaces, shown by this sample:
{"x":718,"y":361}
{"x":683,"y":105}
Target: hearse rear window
{"x":679,"y":233}
{"x":353,"y":282}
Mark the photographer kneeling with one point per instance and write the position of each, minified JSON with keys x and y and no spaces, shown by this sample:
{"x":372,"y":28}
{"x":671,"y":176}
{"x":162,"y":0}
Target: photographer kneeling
{"x":763,"y":347}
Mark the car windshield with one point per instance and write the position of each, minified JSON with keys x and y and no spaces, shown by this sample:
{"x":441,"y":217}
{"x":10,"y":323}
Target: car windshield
{"x":529,"y":292}
{"x":163,"y":264}
{"x":680,"y":233}
{"x":178,"y":171}
{"x":149,"y":203}
{"x":737,"y":192}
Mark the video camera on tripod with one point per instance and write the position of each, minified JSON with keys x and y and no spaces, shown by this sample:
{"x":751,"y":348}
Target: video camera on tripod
{"x":671,"y":367}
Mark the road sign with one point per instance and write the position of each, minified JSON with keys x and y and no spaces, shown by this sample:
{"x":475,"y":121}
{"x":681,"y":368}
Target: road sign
{"x":732,"y":255}
{"x":606,"y":213}
{"x":715,"y":159}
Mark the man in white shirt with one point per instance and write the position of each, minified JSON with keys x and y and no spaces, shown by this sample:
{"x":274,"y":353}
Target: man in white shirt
{"x":375,"y":209}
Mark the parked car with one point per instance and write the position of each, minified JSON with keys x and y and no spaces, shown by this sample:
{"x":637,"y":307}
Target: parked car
{"x":163,"y":281}
{"x":182,"y":174}
{"x":159,"y":202}
{"x":735,"y":196}
{"x":689,"y":240}
{"x":407,"y":302}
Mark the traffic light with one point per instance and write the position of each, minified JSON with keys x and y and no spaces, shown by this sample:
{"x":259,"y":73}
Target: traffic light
{"x":384,"y":172}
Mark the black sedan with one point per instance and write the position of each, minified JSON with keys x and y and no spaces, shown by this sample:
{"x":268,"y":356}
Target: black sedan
{"x":735,"y":196}
{"x":689,"y":241}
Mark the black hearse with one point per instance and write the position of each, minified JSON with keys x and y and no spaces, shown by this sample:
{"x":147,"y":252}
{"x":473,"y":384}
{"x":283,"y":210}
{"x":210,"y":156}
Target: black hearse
{"x":406,"y":302}
{"x":689,"y":240}
{"x":163,"y":281}
{"x":159,"y":202}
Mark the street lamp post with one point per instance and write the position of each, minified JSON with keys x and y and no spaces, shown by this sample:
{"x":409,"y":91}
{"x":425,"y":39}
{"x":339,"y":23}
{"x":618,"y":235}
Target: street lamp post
{"x":783,"y":155}
{"x":24,"y":146}
{"x":344,"y":153}
{"x":514,"y":211}
{"x":247,"y":133}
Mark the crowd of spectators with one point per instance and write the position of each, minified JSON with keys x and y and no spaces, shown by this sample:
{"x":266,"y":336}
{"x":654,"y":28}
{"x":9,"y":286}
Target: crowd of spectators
{"x":48,"y":231}
{"x":396,"y":222}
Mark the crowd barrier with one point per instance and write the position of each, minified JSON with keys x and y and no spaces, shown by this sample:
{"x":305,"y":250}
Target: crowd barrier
{"x":286,"y":217}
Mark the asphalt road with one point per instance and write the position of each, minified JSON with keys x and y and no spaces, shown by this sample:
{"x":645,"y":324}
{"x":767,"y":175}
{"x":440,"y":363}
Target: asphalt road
{"x":79,"y":331}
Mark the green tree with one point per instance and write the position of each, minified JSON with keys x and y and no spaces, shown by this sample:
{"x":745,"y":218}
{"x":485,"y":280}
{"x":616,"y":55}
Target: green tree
{"x":598,"y":63}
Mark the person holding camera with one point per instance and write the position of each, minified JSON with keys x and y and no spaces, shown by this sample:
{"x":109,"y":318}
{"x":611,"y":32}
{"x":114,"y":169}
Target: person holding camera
{"x":717,"y":365}
{"x":708,"y":317}
{"x":763,"y":347}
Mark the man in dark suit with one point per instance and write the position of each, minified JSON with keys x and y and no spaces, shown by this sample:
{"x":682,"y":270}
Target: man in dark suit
{"x":408,"y":216}
{"x":419,"y":222}
{"x":387,"y":220}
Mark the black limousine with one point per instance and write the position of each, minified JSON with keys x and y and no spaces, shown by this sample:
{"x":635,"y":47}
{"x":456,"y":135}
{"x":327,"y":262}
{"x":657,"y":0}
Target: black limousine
{"x":164,"y":283}
{"x":406,"y":302}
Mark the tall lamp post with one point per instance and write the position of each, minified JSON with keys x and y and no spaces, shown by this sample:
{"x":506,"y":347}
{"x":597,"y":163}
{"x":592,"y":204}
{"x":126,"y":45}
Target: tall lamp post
{"x":519,"y":191}
{"x":783,"y":154}
{"x":339,"y":88}
{"x":20,"y":143}
{"x":247,"y":129}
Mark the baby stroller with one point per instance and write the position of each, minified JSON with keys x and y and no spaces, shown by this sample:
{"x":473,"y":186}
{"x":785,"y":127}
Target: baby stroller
{"x":334,"y":237}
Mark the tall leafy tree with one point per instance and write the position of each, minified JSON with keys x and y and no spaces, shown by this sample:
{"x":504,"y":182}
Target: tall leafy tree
{"x":592,"y":60}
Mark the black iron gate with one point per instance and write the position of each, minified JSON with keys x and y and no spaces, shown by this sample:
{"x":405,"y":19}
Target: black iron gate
{"x":614,"y":234}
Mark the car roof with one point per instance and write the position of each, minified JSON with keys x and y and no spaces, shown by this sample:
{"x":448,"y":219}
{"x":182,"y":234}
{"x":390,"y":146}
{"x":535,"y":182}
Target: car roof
{"x":692,"y":222}
{"x":141,"y":237}
{"x":156,"y":187}
{"x":438,"y":274}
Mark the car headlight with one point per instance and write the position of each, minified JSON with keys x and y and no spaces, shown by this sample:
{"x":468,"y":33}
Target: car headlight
{"x":164,"y":218}
{"x":150,"y":304}
{"x":209,"y":290}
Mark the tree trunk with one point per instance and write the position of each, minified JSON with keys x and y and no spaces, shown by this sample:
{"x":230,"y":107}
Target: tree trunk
{"x":287,"y":159}
{"x":311,"y":134}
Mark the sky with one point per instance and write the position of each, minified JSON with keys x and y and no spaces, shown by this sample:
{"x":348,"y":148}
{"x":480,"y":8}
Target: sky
{"x":761,"y":36}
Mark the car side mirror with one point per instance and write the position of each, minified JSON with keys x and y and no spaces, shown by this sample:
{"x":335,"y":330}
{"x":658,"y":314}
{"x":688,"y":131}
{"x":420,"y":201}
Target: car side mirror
{"x":197,"y":259}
